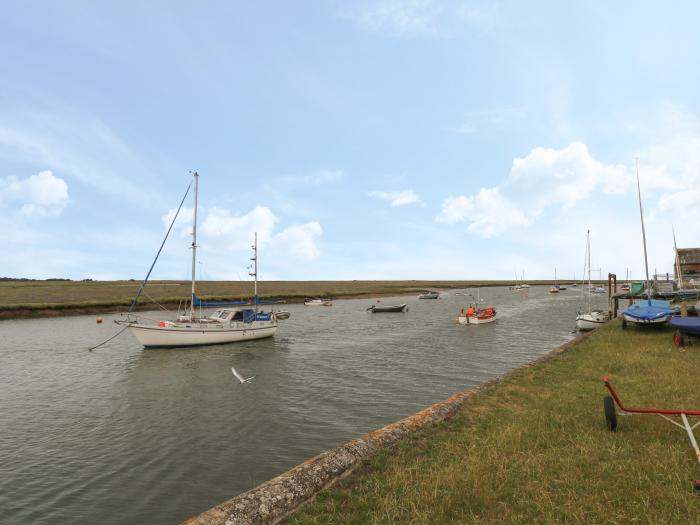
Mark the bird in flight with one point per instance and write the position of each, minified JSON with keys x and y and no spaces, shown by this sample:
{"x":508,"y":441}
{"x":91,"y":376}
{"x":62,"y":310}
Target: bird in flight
{"x":240,"y":377}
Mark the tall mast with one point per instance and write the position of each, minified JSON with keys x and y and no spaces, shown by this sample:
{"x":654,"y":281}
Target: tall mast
{"x":588,"y":254}
{"x":644,"y":235}
{"x":678,"y":261}
{"x":194,"y":239}
{"x":254,"y":273}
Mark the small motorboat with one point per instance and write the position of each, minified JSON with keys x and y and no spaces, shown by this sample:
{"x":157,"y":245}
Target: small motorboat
{"x":598,"y":289}
{"x":477,"y":316}
{"x":387,"y":309}
{"x":429,"y":295}
{"x":554,"y":289}
{"x":318,"y":302}
{"x":686,"y":328}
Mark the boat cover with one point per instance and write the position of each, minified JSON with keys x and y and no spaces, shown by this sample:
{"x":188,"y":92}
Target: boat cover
{"x":649,"y":310}
{"x":687,"y":325}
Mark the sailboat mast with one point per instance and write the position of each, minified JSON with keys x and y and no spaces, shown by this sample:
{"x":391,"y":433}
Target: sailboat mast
{"x":194,"y":239}
{"x":678,"y":261}
{"x":588,"y":255}
{"x":254,"y":258}
{"x":644,"y":235}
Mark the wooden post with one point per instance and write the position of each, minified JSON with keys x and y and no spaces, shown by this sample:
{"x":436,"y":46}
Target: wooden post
{"x":612,"y":293}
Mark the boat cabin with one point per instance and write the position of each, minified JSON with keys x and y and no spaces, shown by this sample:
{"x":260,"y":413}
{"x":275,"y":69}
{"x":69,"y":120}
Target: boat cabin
{"x":243,"y":315}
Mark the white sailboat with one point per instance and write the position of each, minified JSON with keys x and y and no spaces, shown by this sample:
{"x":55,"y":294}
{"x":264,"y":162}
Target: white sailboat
{"x":593,"y":318}
{"x":231,"y":322}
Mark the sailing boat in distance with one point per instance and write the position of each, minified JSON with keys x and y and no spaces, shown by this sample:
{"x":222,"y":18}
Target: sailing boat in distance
{"x":231,"y":322}
{"x":593,"y":318}
{"x":555,"y":286}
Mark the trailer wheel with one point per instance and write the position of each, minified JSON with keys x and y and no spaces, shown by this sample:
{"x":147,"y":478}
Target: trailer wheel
{"x":678,"y":338}
{"x":624,"y":323}
{"x":610,"y":415}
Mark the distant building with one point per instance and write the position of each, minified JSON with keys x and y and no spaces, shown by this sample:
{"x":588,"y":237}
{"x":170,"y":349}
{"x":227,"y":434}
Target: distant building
{"x":689,"y":263}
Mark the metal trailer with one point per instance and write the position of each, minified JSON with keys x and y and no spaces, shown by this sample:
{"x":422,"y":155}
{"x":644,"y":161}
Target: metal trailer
{"x":613,"y":399}
{"x":687,"y":329}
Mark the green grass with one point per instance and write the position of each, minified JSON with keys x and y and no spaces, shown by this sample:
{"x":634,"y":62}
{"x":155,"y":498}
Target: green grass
{"x":535,"y":448}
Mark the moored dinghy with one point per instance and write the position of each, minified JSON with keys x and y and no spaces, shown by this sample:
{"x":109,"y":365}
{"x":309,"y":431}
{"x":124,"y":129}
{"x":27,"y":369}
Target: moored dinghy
{"x":429,"y":295}
{"x":318,"y":302}
{"x":387,"y":309}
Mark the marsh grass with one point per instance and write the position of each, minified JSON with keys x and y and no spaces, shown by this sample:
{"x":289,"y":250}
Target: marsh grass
{"x":535,"y":449}
{"x":70,"y":294}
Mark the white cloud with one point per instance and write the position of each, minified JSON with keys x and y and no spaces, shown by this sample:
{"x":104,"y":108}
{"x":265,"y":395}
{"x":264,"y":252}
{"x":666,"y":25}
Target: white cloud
{"x":39,"y":195}
{"x":553,"y":179}
{"x":299,"y":240}
{"x":423,"y":18}
{"x":235,"y":232}
{"x":488,"y":213}
{"x":562,"y":177}
{"x":78,"y":146}
{"x":238,"y":230}
{"x":397,"y":198}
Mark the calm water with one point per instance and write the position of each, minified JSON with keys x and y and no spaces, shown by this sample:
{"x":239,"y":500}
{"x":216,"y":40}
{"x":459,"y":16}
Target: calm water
{"x":124,"y":435}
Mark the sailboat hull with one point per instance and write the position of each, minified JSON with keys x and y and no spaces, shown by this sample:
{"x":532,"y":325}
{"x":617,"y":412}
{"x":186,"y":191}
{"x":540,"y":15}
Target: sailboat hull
{"x":473,"y":319}
{"x":590,"y":321}
{"x":641,"y":320}
{"x":196,"y":335}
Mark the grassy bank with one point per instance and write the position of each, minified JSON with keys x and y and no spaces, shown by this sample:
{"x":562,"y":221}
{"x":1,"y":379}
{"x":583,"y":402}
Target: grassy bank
{"x":47,"y":298}
{"x":535,"y":449}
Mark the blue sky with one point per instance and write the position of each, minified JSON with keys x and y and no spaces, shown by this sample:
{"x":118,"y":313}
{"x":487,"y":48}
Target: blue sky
{"x":378,"y":139}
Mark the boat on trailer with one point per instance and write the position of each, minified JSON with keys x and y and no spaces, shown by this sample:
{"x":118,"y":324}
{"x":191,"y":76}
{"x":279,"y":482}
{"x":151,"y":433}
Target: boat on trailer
{"x":647,"y":311}
{"x":686,"y":328}
{"x":231,"y":322}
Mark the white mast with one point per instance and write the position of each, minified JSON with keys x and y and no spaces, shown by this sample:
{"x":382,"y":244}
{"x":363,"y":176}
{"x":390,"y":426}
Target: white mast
{"x":254,"y":273}
{"x":644,"y":236}
{"x":678,"y":261}
{"x":194,"y":239}
{"x":588,"y":253}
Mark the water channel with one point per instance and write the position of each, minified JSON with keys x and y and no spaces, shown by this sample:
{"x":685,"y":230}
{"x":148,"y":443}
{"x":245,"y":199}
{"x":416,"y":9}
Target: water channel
{"x":124,"y":435}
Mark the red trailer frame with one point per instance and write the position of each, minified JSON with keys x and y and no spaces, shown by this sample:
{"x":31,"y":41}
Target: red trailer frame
{"x":611,"y":418}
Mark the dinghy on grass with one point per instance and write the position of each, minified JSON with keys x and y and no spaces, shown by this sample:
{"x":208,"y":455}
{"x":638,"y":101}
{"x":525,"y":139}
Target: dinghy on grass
{"x":648,"y":311}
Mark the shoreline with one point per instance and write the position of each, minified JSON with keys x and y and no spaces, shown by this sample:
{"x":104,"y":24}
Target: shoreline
{"x":35,"y":310}
{"x":280,"y":498}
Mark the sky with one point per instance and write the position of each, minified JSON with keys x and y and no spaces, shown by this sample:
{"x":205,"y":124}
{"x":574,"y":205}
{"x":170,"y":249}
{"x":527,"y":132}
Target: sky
{"x":373,"y":139}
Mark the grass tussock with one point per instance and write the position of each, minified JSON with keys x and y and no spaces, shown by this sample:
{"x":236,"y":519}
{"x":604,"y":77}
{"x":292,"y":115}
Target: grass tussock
{"x":535,"y":448}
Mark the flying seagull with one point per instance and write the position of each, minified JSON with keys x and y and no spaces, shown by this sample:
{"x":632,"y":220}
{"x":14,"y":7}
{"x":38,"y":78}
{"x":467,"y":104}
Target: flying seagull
{"x":240,"y":377}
